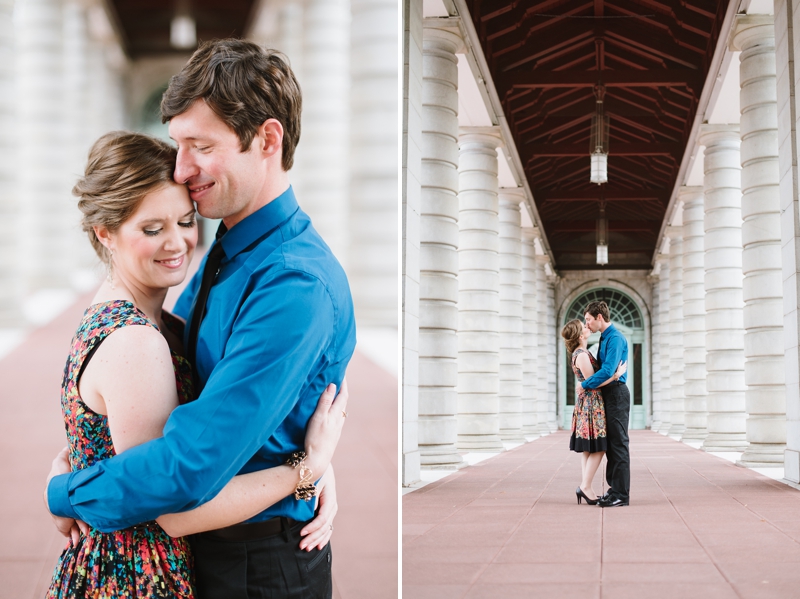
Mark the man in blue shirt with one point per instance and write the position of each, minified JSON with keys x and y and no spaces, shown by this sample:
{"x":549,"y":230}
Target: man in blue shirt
{"x":270,"y":324}
{"x":617,"y":399}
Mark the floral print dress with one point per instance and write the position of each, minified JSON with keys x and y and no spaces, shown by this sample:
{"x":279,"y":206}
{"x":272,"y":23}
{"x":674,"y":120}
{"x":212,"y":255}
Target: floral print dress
{"x":589,"y":415}
{"x":141,"y":561}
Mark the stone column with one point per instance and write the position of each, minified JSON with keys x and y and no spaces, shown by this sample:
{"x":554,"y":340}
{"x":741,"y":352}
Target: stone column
{"x":10,"y":276}
{"x":530,"y":330}
{"x":410,"y":208}
{"x":723,"y":283}
{"x":516,"y":408}
{"x":694,"y":315}
{"x":552,"y":362}
{"x":322,"y":155}
{"x":478,"y":291}
{"x":787,"y":37}
{"x":372,"y":262}
{"x":43,"y":192}
{"x":677,"y":404}
{"x":765,"y":396}
{"x":665,"y":349}
{"x":542,"y":397}
{"x":655,"y":337}
{"x":290,"y":35}
{"x":438,"y":256}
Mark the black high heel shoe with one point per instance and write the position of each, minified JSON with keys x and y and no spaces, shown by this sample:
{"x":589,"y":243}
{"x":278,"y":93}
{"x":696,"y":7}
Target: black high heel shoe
{"x":579,"y":492}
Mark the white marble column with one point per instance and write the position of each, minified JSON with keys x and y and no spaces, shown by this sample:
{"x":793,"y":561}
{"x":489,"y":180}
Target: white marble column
{"x":723,"y":283}
{"x":542,"y":396}
{"x":694,"y":315}
{"x":10,"y":276}
{"x":655,"y":336}
{"x":43,"y":190}
{"x":516,"y":407}
{"x":787,"y":38}
{"x":677,"y":403}
{"x":530,"y":330}
{"x":665,"y":347}
{"x":478,"y":290}
{"x":323,"y":151}
{"x":552,"y":363}
{"x":765,"y":396}
{"x":372,"y":262}
{"x":438,"y":256}
{"x":410,"y":208}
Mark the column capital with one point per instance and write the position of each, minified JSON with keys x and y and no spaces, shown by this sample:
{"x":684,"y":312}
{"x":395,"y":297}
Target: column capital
{"x":711,"y":135}
{"x":443,"y":33}
{"x":662,"y":259}
{"x":511,"y":195}
{"x":674,"y":232}
{"x":751,"y":30}
{"x":542,"y":259}
{"x":489,"y":136}
{"x":688,"y":192}
{"x":527,"y":233}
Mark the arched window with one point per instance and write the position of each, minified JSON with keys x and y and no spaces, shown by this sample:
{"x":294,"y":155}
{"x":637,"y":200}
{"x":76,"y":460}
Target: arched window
{"x":622,"y":308}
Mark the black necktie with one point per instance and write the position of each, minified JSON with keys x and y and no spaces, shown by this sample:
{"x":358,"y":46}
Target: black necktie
{"x":210,"y":273}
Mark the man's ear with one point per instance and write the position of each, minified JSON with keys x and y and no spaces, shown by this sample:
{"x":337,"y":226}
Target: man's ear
{"x":270,"y":133}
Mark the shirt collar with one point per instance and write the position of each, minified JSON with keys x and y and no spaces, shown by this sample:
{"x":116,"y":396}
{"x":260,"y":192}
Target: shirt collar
{"x":608,"y":330}
{"x":261,"y":222}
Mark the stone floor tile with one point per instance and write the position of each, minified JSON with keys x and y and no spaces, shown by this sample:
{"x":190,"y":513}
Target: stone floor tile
{"x":527,"y":573}
{"x":668,"y":590}
{"x":546,"y":590}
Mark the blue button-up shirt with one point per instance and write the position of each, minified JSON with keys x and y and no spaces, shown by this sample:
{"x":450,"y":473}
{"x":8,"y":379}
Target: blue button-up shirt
{"x":279,"y":327}
{"x":613,"y":350}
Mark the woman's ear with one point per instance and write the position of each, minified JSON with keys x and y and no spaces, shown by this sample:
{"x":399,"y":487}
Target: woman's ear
{"x":103,"y":235}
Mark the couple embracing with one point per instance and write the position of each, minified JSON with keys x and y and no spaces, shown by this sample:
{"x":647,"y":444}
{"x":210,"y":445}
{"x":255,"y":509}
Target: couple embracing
{"x":199,"y":443}
{"x":602,"y":408}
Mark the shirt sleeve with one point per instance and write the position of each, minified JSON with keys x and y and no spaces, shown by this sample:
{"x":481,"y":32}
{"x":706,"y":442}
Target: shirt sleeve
{"x":276,"y":348}
{"x":614,"y":351}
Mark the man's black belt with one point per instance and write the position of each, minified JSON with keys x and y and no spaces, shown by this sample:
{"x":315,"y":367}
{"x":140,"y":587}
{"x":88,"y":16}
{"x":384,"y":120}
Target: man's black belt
{"x":250,"y":531}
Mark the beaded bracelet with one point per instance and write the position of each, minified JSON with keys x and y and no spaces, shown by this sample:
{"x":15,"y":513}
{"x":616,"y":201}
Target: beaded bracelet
{"x":306,"y":489}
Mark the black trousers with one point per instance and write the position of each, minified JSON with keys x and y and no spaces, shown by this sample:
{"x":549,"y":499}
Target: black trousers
{"x":273,"y":567}
{"x":617,"y":399}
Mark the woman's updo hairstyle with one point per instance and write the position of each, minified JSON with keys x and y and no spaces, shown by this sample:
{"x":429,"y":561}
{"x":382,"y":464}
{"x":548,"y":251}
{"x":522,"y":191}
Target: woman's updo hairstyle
{"x":122,"y":169}
{"x":571,"y":333}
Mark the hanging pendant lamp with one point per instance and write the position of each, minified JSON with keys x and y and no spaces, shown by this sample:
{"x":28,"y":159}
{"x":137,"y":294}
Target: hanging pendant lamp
{"x":599,"y":140}
{"x":602,"y":235}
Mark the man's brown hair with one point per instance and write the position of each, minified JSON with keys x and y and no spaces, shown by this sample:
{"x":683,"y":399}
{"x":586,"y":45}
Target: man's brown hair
{"x":244,"y":85}
{"x":598,"y":309}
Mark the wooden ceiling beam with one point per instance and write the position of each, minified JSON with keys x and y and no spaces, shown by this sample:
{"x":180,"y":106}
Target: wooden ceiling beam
{"x":608,"y":193}
{"x":619,"y":78}
{"x":634,"y":149}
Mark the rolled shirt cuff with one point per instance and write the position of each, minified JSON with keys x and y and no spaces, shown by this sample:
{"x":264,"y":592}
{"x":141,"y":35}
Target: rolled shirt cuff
{"x":58,"y":496}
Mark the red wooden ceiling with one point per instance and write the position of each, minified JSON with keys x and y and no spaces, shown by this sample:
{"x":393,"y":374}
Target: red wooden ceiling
{"x":652,"y":56}
{"x":145,"y":24}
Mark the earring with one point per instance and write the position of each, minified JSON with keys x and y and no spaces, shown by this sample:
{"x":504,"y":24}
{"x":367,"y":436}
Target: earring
{"x":110,"y":269}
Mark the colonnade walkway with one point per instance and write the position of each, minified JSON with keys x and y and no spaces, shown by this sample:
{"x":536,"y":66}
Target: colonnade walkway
{"x":698,"y":526}
{"x":32,"y":432}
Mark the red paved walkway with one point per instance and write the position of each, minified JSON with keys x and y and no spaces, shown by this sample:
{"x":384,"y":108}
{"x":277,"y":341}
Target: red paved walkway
{"x":32,"y":432}
{"x":698,"y":526}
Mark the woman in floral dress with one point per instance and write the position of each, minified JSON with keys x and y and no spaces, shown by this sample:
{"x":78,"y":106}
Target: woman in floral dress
{"x":589,"y":416}
{"x":125,"y":374}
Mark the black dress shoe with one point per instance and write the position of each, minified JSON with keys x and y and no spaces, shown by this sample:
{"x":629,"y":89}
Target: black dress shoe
{"x":613,"y":502}
{"x":605,"y":496}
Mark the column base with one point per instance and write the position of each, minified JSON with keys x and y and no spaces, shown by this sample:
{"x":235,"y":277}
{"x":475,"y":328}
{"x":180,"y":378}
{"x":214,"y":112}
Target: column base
{"x":791,"y":465}
{"x":436,"y":461}
{"x":664,"y":428}
{"x":530,"y":433}
{"x":516,"y":436}
{"x":764,"y":455}
{"x":694,"y":434}
{"x":677,"y":430}
{"x":725,"y":443}
{"x":488,"y":443}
